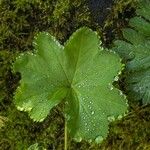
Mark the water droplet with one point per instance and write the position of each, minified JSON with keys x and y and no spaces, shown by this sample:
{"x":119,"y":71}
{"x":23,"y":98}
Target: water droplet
{"x":20,"y":108}
{"x":120,"y":117}
{"x":99,"y":139}
{"x":34,"y":43}
{"x":111,"y":118}
{"x":93,"y":112}
{"x":78,"y":138}
{"x":116,"y":78}
{"x":111,"y":88}
{"x":83,"y":98}
{"x":120,"y":71}
{"x":47,"y":33}
{"x":121,"y":93}
{"x":41,"y":120}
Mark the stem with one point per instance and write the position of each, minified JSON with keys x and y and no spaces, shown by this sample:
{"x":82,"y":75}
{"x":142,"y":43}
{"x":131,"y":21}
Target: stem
{"x":65,"y":142}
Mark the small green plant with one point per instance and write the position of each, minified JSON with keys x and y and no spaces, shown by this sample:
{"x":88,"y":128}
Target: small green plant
{"x":135,"y":50}
{"x":80,"y":74}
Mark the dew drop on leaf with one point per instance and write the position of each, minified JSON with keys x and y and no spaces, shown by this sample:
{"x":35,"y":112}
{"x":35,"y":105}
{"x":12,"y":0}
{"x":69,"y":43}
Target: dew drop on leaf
{"x":78,"y":139}
{"x":116,"y":78}
{"x":41,"y":120}
{"x":121,"y":93}
{"x":93,"y":112}
{"x":20,"y":108}
{"x":99,"y":139}
{"x":120,"y":117}
{"x":111,"y":118}
{"x":111,"y":88}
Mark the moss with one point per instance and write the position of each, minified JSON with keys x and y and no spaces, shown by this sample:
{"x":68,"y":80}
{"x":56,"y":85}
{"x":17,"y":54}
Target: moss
{"x":20,"y":20}
{"x":20,"y":131}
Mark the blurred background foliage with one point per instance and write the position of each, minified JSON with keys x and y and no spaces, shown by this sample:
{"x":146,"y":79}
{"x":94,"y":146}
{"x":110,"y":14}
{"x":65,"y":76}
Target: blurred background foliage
{"x":20,"y":20}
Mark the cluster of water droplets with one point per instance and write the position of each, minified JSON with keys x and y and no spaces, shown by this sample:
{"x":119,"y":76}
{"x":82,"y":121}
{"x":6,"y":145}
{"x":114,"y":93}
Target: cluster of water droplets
{"x":20,"y":108}
{"x":110,"y":86}
{"x":89,"y":120}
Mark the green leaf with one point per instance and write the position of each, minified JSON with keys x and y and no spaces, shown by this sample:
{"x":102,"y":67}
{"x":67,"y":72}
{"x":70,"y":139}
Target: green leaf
{"x":144,"y":9}
{"x":136,"y":53}
{"x":81,"y":74}
{"x":138,"y":84}
{"x":141,"y":25}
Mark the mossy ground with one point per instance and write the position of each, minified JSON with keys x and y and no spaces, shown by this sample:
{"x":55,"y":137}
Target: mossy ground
{"x":20,"y":20}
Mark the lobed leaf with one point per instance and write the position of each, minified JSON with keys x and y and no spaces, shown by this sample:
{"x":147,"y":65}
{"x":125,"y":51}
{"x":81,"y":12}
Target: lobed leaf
{"x":81,"y":74}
